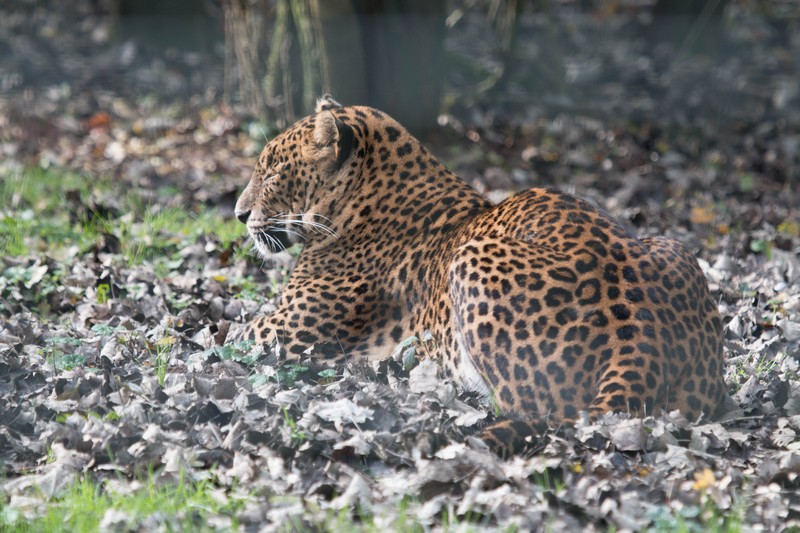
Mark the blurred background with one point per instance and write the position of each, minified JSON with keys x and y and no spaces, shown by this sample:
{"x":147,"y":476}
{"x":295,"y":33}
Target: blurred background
{"x":183,"y":90}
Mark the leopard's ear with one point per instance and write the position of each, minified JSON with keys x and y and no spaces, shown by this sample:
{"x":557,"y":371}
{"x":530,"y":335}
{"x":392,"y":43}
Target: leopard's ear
{"x":326,"y":102}
{"x":329,"y":131}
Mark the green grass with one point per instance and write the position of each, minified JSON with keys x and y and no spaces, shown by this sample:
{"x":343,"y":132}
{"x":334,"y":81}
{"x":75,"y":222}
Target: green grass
{"x":35,"y":210}
{"x":183,"y":505}
{"x":44,"y":210}
{"x":61,"y":215}
{"x":162,"y":232}
{"x":160,"y":352}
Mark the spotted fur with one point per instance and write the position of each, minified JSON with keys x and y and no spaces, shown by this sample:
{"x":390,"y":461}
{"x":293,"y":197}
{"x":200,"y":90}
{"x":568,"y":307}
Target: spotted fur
{"x":542,"y":302}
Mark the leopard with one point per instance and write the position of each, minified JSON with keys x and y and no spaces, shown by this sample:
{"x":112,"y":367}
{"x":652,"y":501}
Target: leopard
{"x":542,"y":305}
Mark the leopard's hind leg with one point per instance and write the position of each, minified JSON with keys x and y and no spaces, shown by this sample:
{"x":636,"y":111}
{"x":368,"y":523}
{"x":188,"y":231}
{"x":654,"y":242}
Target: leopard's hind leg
{"x":690,"y":329}
{"x":549,"y":333}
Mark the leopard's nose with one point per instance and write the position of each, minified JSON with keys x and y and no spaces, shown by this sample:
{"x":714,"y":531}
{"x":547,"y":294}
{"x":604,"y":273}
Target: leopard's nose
{"x":242,"y":216}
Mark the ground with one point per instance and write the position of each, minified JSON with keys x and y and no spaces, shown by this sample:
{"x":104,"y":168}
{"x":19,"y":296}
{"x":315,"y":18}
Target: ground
{"x":121,"y":266}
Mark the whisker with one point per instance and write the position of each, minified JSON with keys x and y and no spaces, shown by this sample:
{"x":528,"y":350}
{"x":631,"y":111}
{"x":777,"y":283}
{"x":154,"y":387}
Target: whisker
{"x":298,"y":220}
{"x":271,"y":242}
{"x":290,"y":224}
{"x":315,"y":226}
{"x":304,"y":215}
{"x":278,"y":244}
{"x":264,"y":239}
{"x":287,"y":230}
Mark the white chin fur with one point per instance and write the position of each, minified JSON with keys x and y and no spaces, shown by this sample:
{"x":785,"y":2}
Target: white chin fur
{"x":262,"y":249}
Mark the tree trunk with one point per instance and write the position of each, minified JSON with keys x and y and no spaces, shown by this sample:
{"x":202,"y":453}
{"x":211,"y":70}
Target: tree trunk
{"x":384,"y":53}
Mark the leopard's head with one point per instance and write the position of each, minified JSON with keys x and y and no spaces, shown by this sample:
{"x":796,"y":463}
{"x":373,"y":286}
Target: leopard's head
{"x":294,"y":189}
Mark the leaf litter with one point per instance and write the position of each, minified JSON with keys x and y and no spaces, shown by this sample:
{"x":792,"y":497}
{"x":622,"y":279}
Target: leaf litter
{"x":130,"y":380}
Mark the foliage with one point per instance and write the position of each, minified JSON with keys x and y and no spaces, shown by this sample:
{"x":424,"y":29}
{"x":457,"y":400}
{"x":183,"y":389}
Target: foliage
{"x":100,"y":215}
{"x":180,"y":505}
